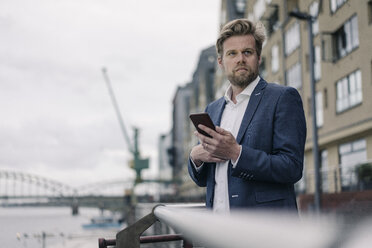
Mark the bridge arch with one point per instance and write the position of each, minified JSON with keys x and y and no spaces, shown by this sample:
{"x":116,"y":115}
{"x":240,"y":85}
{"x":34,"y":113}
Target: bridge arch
{"x":16,"y":183}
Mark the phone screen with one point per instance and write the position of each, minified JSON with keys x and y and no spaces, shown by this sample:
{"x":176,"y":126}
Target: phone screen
{"x":204,"y":119}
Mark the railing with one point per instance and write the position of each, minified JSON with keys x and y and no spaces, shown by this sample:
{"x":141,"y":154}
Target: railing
{"x":339,"y":178}
{"x":131,"y":237}
{"x":203,"y":228}
{"x":146,"y":239}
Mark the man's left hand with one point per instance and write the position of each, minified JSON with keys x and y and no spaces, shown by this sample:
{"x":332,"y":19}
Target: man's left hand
{"x":222,"y":144}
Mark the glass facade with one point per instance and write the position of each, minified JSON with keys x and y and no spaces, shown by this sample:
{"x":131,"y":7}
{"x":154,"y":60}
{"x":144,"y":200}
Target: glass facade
{"x":275,"y":58}
{"x":317,"y":63}
{"x":313,"y":10}
{"x":351,"y":154}
{"x":294,"y":77}
{"x":292,"y":38}
{"x":347,"y":37}
{"x":349,"y":91}
{"x":336,"y":4}
{"x":319,"y":109}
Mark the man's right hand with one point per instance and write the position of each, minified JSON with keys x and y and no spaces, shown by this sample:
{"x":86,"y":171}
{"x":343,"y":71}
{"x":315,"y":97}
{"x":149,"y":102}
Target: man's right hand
{"x":199,"y":155}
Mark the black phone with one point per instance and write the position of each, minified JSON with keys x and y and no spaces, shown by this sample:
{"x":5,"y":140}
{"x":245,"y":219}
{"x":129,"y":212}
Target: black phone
{"x":204,"y":119}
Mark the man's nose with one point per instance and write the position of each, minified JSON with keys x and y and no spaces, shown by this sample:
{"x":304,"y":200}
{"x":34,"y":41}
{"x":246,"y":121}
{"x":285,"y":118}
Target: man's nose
{"x":240,"y":58}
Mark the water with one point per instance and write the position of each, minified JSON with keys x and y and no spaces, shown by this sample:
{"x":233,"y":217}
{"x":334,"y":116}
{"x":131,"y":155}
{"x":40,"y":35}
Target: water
{"x":23,"y":228}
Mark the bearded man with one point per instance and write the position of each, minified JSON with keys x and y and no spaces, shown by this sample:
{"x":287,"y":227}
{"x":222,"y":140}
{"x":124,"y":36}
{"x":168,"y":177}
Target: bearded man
{"x":255,"y":155}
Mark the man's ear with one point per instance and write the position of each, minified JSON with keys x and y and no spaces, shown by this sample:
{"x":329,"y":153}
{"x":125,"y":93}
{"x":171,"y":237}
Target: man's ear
{"x":219,"y":60}
{"x":259,"y":60}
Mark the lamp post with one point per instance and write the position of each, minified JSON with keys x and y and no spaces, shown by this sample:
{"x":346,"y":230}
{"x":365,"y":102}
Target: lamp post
{"x":310,"y":19}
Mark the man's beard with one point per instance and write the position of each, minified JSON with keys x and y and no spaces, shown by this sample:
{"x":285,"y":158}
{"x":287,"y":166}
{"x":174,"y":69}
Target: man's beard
{"x":243,"y":80}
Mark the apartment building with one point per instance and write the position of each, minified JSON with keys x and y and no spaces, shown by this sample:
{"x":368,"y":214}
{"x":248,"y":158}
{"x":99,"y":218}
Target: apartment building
{"x":342,"y":38}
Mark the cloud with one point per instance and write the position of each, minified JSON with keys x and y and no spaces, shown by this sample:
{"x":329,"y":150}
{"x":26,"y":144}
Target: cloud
{"x":57,"y":116}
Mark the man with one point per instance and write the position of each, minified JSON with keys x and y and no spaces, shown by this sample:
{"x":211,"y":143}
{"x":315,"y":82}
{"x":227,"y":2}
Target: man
{"x":256,"y":153}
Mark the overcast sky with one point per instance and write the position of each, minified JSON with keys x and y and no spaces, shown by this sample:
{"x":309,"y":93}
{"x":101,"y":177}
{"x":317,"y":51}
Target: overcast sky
{"x":57,"y":119}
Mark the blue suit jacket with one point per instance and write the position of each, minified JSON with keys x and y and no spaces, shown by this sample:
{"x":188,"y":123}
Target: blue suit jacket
{"x":272,"y":135}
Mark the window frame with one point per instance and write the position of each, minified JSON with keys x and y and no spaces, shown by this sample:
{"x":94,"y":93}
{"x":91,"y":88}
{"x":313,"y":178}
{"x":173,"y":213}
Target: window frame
{"x":344,"y":91}
{"x":290,"y":32}
{"x":291,"y":69}
{"x":338,"y":5}
{"x":346,"y":38}
{"x":275,"y":63}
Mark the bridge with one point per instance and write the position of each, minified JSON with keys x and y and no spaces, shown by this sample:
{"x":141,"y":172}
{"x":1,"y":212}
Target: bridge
{"x":25,"y":189}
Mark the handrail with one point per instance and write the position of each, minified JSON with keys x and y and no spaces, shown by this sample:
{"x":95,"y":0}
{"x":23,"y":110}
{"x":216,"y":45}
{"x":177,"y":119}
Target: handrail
{"x":200,"y":227}
{"x":102,"y":243}
{"x":249,"y":229}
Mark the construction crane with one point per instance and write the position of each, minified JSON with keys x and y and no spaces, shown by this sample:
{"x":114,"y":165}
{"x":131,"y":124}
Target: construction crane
{"x":137,"y":163}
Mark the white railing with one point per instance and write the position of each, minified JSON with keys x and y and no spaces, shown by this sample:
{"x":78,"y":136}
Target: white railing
{"x":249,"y":228}
{"x":199,"y":227}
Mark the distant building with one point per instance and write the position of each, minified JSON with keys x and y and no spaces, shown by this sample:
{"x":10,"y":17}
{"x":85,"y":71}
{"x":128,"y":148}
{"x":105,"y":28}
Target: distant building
{"x":232,"y":9}
{"x":180,"y":127}
{"x":165,"y":146}
{"x":191,"y":98}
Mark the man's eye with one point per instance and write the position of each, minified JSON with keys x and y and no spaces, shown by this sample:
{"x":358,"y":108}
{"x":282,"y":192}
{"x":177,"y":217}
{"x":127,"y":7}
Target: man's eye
{"x":248,"y":52}
{"x":231,"y":53}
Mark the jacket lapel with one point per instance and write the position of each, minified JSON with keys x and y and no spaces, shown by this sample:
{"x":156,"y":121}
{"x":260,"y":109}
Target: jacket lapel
{"x":254,"y":100}
{"x":218,"y":116}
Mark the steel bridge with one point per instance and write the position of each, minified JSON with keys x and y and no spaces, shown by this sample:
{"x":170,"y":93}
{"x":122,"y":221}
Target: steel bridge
{"x":26,"y":189}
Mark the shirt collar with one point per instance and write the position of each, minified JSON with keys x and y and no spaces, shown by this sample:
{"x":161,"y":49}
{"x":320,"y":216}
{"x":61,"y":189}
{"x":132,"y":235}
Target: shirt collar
{"x":245,"y":93}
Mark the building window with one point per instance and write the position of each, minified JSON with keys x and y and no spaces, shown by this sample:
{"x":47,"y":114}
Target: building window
{"x":317,"y":63}
{"x":314,"y":10}
{"x":240,"y":6}
{"x":349,"y":91}
{"x":275,"y":58}
{"x":273,"y":21}
{"x":292,"y":38}
{"x":293,"y":76}
{"x":351,"y":154}
{"x":343,"y":41}
{"x":259,"y":9}
{"x":324,"y":170}
{"x":319,"y":109}
{"x":336,"y":4}
{"x":347,"y":37}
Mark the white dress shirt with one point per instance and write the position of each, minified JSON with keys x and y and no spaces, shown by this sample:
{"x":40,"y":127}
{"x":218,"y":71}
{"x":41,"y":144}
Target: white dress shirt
{"x":231,"y":120}
{"x":232,"y":117}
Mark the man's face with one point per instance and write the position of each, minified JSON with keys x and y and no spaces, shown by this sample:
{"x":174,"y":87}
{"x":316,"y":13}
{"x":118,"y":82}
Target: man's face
{"x":239,"y":60}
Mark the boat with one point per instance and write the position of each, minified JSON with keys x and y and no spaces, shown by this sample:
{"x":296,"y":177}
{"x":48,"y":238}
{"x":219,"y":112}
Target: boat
{"x":103,"y":221}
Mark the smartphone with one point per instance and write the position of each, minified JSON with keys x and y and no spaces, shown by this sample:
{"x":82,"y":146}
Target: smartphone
{"x":204,"y":119}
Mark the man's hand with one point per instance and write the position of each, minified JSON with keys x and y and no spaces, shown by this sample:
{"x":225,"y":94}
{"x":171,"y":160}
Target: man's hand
{"x":199,"y":155}
{"x":222,"y":146}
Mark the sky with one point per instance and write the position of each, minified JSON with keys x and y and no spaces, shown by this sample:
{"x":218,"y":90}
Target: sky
{"x":57,"y":118}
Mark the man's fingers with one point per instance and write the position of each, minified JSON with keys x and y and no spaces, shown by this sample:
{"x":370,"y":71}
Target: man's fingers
{"x":206,"y":129}
{"x":204,"y":139}
{"x":221,"y":130}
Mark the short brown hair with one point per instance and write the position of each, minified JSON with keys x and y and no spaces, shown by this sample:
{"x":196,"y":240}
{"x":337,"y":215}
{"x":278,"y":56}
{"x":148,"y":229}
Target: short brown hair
{"x":241,"y":27}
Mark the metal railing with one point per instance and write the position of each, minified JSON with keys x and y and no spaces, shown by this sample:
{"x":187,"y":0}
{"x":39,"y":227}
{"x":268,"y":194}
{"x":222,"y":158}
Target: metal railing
{"x":338,"y":178}
{"x":130,"y":237}
{"x":146,"y":239}
{"x":203,"y":228}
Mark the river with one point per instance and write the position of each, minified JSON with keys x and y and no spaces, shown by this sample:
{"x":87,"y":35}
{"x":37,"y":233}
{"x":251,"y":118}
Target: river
{"x":23,"y":228}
